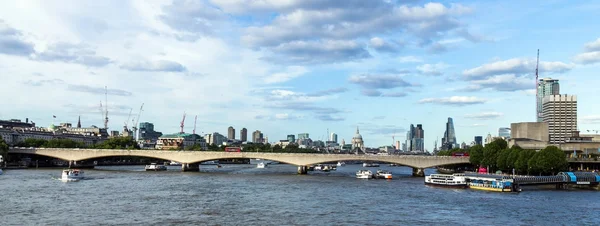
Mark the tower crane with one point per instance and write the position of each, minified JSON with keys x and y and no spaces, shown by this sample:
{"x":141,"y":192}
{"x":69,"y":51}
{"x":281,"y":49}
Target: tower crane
{"x":592,"y":130}
{"x":102,"y":110}
{"x":106,"y":108}
{"x":182,"y":123}
{"x":127,"y":121}
{"x":195,"y":119}
{"x":135,"y":125}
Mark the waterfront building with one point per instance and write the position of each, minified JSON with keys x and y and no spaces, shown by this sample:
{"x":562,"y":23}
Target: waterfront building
{"x":489,"y":139}
{"x":478,"y":140}
{"x":397,"y":146}
{"x":546,"y":87}
{"x":560,"y":112}
{"x":244,"y":135}
{"x":449,"y":139}
{"x":147,"y":132}
{"x":215,"y":138}
{"x":504,"y":133}
{"x":179,"y":141}
{"x":357,"y":142}
{"x":15,"y":136}
{"x":16,"y":123}
{"x":257,"y":137}
{"x":303,"y":136}
{"x":333,"y":137}
{"x":291,"y":138}
{"x":415,"y":139}
{"x":231,"y":133}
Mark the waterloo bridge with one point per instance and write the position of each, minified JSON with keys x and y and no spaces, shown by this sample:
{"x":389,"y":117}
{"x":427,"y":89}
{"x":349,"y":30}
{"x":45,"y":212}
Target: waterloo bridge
{"x":190,"y":160}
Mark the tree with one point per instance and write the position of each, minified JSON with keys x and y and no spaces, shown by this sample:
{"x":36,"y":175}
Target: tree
{"x":549,"y":160}
{"x":513,"y":156}
{"x":277,"y":148}
{"x":118,"y":143}
{"x":3,"y":148}
{"x":521,"y":164}
{"x":502,"y":160}
{"x":476,"y":155}
{"x":491,"y":151}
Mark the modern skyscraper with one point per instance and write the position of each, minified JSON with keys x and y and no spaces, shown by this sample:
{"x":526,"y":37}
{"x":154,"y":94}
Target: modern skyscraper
{"x":478,"y":140}
{"x":560,"y":112}
{"x":231,"y":133}
{"x":415,"y":141}
{"x":291,"y":138}
{"x":244,"y":135}
{"x":147,"y":132}
{"x":333,"y":137}
{"x":504,"y":132}
{"x":449,"y":139}
{"x":257,"y":137}
{"x":546,"y":87}
{"x":303,"y":136}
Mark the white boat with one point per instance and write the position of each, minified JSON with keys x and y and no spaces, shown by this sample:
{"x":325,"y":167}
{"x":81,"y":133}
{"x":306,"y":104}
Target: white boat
{"x":173,"y":163}
{"x":370,"y":164}
{"x":364,"y":174}
{"x":456,"y":180}
{"x":70,"y":175}
{"x":341,"y":164}
{"x":319,"y":167}
{"x":383,"y":174}
{"x":261,"y":165}
{"x":155,"y":167}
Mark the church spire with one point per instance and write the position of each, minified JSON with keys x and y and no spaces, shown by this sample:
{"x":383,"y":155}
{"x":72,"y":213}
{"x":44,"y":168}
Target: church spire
{"x":357,"y":130}
{"x":79,"y":122}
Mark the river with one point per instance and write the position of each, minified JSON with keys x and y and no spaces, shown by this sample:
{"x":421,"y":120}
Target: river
{"x":245,"y":195}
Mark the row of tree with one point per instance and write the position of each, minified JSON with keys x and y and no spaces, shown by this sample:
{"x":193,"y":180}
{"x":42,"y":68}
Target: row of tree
{"x":497,"y":156}
{"x":112,"y":143}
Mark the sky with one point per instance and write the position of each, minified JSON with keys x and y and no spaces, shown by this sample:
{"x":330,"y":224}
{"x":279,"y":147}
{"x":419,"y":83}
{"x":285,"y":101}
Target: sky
{"x":295,"y":66}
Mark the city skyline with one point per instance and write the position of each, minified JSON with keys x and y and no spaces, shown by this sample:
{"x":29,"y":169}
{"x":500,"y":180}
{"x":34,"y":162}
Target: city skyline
{"x":425,"y":62}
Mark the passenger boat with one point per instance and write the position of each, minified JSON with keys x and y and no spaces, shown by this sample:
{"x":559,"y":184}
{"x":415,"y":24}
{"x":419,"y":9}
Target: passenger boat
{"x":71,"y":175}
{"x":383,"y":174}
{"x":341,"y":164}
{"x":173,"y":163}
{"x":490,"y":182}
{"x":456,"y":180}
{"x":261,"y":165}
{"x":364,"y":174}
{"x":318,"y":167}
{"x":155,"y":167}
{"x":369,"y":164}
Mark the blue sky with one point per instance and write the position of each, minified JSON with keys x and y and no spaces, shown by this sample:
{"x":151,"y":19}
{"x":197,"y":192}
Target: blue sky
{"x":291,"y":66}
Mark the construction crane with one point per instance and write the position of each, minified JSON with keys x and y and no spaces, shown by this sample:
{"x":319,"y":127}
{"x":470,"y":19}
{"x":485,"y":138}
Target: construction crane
{"x":102,"y":110}
{"x":182,"y":123}
{"x":195,"y":119}
{"x":127,"y":121}
{"x":106,"y":108}
{"x":135,"y":125}
{"x":591,"y":130}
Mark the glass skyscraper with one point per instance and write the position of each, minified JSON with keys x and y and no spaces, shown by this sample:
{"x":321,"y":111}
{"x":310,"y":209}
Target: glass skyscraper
{"x":504,"y":132}
{"x":449,"y":139}
{"x":546,"y":87}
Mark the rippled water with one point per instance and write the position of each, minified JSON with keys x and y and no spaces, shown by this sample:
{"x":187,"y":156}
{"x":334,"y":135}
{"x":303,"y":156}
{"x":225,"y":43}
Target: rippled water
{"x":245,"y":195}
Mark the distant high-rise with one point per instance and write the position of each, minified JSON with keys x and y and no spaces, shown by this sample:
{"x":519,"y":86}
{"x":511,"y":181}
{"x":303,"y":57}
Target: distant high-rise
{"x":449,"y":139}
{"x":504,"y":132}
{"x":291,"y":138}
{"x":146,"y":132}
{"x":244,"y":135}
{"x":333,"y":137}
{"x":478,"y":140}
{"x":303,"y":136}
{"x":257,"y":137}
{"x":546,"y":87}
{"x":231,"y":133}
{"x":415,"y":138}
{"x":560,"y":112}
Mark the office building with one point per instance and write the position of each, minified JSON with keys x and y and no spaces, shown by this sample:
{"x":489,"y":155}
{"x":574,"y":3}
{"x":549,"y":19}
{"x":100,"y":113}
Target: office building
{"x":244,"y":135}
{"x":478,"y":140}
{"x":303,"y":136}
{"x":333,"y":137}
{"x":560,"y":112}
{"x":231,"y":133}
{"x":415,"y":139}
{"x":504,"y":133}
{"x":147,"y":132}
{"x":546,"y":87}
{"x":257,"y":137}
{"x":291,"y":138}
{"x":449,"y":139}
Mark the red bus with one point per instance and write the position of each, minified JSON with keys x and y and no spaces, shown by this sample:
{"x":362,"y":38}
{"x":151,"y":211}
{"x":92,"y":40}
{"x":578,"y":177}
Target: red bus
{"x":233,"y":149}
{"x":460,"y":154}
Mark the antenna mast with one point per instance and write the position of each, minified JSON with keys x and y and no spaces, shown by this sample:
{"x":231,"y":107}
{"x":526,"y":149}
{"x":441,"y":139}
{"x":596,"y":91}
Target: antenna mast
{"x":106,"y":108}
{"x":537,"y":100}
{"x":182,"y":123}
{"x":195,"y":118}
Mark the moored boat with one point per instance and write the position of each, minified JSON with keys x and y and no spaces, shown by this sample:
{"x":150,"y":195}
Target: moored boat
{"x":71,"y":175}
{"x":370,"y":164}
{"x":456,"y":180}
{"x":341,"y":164}
{"x":173,"y":163}
{"x":364,"y":174}
{"x":155,"y":167}
{"x":383,"y":174}
{"x":490,"y":182}
{"x":261,"y":165}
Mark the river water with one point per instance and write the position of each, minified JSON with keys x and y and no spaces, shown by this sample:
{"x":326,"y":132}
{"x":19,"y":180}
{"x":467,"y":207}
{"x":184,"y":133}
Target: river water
{"x":245,"y":195}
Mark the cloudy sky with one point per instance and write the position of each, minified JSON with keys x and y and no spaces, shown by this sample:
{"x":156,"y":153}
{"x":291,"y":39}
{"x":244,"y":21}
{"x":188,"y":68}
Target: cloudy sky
{"x":293,"y":66}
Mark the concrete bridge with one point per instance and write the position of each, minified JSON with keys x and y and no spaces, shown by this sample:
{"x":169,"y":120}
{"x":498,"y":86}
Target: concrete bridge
{"x":191,"y":159}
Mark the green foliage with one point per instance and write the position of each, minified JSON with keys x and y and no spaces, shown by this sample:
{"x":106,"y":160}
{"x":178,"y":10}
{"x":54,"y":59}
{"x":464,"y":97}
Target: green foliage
{"x":32,"y":142}
{"x":3,"y":148}
{"x":195,"y":147}
{"x":491,"y":152}
{"x":118,"y":143}
{"x":213,"y":147}
{"x":63,"y":143}
{"x":522,"y":165}
{"x":512,"y":158}
{"x":476,"y":155}
{"x":549,"y":161}
{"x":502,"y":160}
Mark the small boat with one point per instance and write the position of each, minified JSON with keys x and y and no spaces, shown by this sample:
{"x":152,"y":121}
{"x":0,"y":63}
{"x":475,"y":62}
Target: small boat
{"x":155,"y":167}
{"x":318,"y":167}
{"x":456,"y":180}
{"x":370,"y":164}
{"x":173,"y":163}
{"x":71,"y":175}
{"x":364,"y":174}
{"x":261,"y":165}
{"x":394,"y":164}
{"x":341,"y":164}
{"x":383,"y":174}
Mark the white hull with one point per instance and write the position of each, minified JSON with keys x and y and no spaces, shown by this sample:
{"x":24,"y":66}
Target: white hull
{"x":155,"y":167}
{"x":341,"y":164}
{"x":364,"y":174}
{"x":261,"y":165}
{"x":71,"y":175}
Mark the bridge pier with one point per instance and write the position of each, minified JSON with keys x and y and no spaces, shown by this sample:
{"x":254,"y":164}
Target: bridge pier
{"x":185,"y":167}
{"x":418,"y":172}
{"x":302,"y":170}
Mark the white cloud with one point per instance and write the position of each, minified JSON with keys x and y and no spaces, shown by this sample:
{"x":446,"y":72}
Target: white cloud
{"x":410,"y":59}
{"x":516,"y":66}
{"x":454,"y":100}
{"x":587,"y":58}
{"x":590,"y":119}
{"x":432,"y":69}
{"x":592,"y":46}
{"x":484,"y":115}
{"x":507,"y":83}
{"x":160,"y":65}
{"x":290,"y":73}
